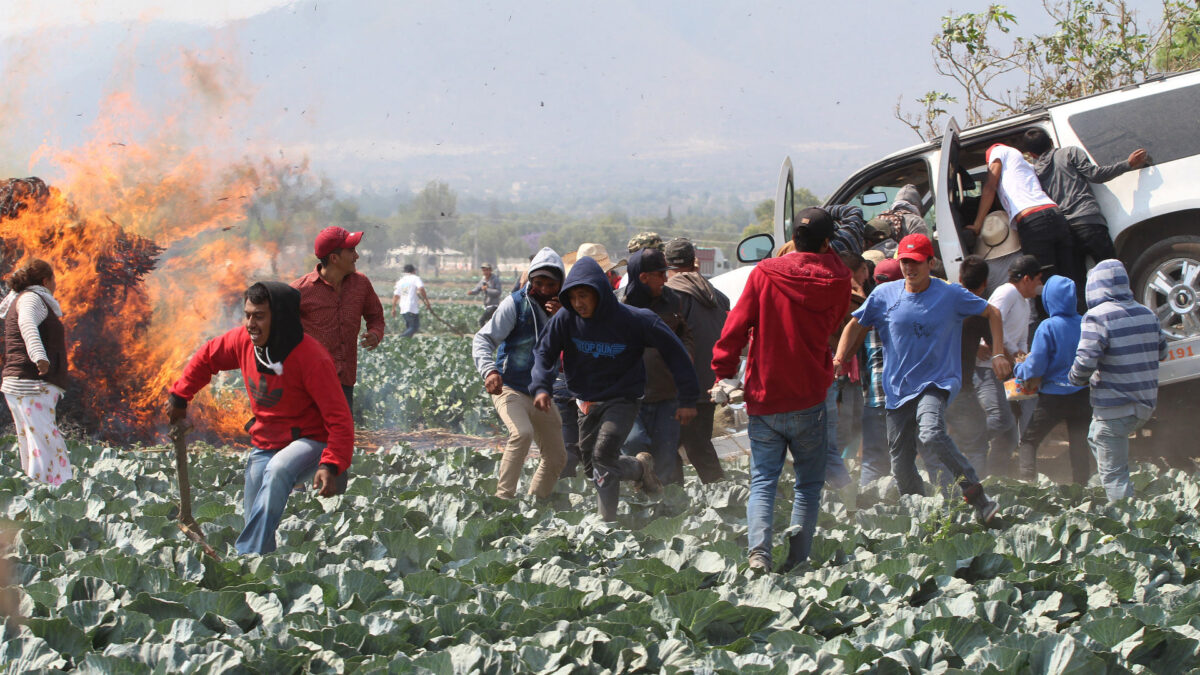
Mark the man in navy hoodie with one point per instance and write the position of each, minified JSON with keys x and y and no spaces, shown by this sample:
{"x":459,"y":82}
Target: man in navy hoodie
{"x":601,"y":342}
{"x":1046,"y":368}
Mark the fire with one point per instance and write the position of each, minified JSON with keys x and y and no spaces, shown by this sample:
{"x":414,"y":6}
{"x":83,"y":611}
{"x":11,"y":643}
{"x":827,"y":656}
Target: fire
{"x":134,"y":194}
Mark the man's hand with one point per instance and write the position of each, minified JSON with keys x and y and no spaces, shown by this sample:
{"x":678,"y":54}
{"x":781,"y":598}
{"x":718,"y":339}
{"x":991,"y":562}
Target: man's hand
{"x":542,"y":402}
{"x":43,"y":367}
{"x":685,"y":415}
{"x":984,"y":352}
{"x":1001,"y":366}
{"x":369,"y":340}
{"x":552,"y":305}
{"x":838,"y":370}
{"x":1137,"y":158}
{"x":723,"y":389}
{"x":175,"y":413}
{"x":494,"y":384}
{"x":324,"y":482}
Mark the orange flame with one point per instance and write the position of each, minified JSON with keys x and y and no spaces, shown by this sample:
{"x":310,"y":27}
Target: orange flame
{"x":139,"y":176}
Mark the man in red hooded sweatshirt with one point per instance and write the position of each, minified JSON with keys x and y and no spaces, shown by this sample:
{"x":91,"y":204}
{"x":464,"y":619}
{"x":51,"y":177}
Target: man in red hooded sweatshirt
{"x":787,"y":311}
{"x":301,"y":427}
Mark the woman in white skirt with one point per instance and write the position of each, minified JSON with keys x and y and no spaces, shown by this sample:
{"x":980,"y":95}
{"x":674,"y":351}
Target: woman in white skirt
{"x":35,"y":371}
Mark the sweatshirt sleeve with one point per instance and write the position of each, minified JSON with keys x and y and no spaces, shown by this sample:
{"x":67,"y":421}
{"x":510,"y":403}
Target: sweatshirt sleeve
{"x":32,"y":312}
{"x":216,"y":355}
{"x":1093,"y":341}
{"x":322,"y":384}
{"x":487,"y":340}
{"x":1092,"y":172}
{"x":727,"y":352}
{"x":671,"y":348}
{"x":545,"y":355}
{"x":1041,"y":353}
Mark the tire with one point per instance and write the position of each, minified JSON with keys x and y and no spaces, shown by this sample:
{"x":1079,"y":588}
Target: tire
{"x":1166,"y":278}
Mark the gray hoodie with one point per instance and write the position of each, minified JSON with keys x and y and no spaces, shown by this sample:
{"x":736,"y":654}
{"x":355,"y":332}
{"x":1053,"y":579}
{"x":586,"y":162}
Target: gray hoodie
{"x":1065,"y":174}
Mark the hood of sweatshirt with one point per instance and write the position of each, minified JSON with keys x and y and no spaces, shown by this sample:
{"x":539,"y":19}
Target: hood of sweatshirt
{"x":286,"y":329}
{"x":587,"y":272}
{"x":548,"y":258}
{"x":1107,"y":282}
{"x":1058,"y":296}
{"x":637,"y":294}
{"x":808,"y":279}
{"x":695,"y":285}
{"x":908,"y":199}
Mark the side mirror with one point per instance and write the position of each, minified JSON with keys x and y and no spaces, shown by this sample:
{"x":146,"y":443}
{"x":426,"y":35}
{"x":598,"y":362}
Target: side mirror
{"x":755,"y":248}
{"x":873,"y":198}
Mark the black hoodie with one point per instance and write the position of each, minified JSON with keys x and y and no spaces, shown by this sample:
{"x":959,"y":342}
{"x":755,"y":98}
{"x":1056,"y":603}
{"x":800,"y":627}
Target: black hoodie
{"x":602,"y":355}
{"x":286,"y":329}
{"x":660,"y":386}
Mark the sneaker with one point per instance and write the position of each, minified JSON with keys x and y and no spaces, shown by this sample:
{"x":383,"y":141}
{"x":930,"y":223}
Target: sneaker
{"x":650,"y":483}
{"x":986,"y":511}
{"x":759,"y":562}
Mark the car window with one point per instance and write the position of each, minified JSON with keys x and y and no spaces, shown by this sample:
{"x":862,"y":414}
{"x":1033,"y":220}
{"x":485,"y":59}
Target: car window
{"x":1164,"y":124}
{"x":876,"y":194}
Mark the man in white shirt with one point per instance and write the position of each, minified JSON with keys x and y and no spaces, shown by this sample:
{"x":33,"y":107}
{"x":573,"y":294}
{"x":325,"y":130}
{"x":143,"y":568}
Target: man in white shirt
{"x":1013,"y":302}
{"x":408,"y":289}
{"x":1037,"y":219}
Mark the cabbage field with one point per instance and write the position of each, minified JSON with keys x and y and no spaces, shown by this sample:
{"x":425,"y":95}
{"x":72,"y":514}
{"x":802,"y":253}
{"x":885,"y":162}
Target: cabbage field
{"x":417,"y":568}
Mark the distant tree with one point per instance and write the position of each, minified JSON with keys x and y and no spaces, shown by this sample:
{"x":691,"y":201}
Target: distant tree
{"x":669,"y":221}
{"x":1096,"y":45}
{"x":290,"y":207}
{"x":435,"y":218}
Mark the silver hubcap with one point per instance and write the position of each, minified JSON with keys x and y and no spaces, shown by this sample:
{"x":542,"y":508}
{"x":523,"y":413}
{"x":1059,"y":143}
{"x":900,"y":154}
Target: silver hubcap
{"x":1173,"y":293}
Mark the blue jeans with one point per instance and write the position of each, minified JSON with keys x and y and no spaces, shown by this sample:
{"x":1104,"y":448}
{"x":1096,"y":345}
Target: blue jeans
{"x":412,"y":324}
{"x":968,"y":425}
{"x":876,"y":460}
{"x":803,"y":433}
{"x":270,"y":477}
{"x":1003,"y":433}
{"x":835,"y":468}
{"x":656,"y":431}
{"x":923,"y":419}
{"x":1110,"y":444}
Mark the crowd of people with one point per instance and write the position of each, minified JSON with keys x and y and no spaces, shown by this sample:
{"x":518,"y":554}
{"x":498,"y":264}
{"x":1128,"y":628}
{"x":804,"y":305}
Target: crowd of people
{"x":849,"y":342}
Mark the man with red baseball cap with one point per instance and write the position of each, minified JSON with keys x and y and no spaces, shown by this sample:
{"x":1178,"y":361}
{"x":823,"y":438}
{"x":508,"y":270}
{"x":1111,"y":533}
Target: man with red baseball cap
{"x":919,"y":321}
{"x":334,"y":299}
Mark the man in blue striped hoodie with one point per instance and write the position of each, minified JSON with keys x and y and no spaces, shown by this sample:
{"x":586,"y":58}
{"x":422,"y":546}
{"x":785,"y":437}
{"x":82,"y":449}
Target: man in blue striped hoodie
{"x":1120,"y":345}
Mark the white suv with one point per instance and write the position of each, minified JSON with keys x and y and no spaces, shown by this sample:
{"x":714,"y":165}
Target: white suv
{"x":1153,"y":213}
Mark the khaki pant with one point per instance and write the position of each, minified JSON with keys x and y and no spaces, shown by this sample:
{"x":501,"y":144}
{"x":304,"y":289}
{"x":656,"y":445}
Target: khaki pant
{"x":527,"y":424}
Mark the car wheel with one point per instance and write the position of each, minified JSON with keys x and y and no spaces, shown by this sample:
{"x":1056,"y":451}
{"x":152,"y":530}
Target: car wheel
{"x":1166,"y":278}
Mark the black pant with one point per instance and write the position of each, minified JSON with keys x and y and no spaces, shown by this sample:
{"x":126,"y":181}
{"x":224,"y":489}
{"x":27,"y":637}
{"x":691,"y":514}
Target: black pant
{"x":348,"y":390}
{"x":696,"y":439}
{"x":1046,"y":236}
{"x":1076,"y":410}
{"x":602,"y":432}
{"x":569,"y":412}
{"x":487,"y":315}
{"x":1090,"y":239}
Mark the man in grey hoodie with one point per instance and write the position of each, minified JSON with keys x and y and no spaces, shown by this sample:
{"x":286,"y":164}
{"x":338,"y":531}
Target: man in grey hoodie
{"x":1066,"y":174}
{"x":704,"y":308}
{"x":503,"y":353}
{"x":1120,"y":345}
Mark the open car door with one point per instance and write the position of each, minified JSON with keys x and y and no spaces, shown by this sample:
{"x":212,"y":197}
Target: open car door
{"x":785,"y":203}
{"x":948,"y":198}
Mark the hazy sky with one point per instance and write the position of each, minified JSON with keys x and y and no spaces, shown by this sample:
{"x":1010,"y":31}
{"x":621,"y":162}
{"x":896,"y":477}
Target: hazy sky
{"x":495,"y":98}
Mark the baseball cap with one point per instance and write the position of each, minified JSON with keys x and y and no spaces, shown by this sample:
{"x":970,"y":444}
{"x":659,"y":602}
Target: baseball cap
{"x":485,"y":265}
{"x":680,"y":252}
{"x":643,"y":240}
{"x":653,"y":260}
{"x":1027,"y":266}
{"x":916,"y":247}
{"x":332,"y":238}
{"x":817,"y":220}
{"x":888,"y":270}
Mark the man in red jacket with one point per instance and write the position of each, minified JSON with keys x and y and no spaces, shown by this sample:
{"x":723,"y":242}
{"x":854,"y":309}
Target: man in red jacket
{"x":301,"y":426}
{"x":787,"y":311}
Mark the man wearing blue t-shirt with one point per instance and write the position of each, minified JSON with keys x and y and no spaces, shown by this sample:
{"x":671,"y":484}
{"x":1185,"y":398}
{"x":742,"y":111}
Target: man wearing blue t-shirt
{"x":919,"y":321}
